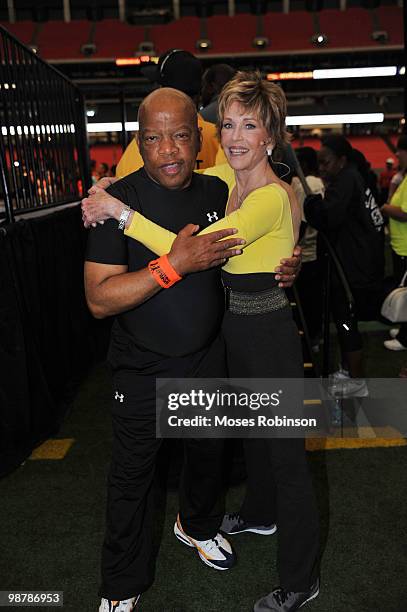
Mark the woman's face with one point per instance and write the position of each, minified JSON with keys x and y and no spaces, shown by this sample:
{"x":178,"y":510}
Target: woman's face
{"x":329,"y":164}
{"x":402,"y":157}
{"x":244,"y":138}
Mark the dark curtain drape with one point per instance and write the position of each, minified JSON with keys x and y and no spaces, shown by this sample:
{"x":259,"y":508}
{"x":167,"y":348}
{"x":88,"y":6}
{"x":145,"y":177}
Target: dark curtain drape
{"x":48,"y":339}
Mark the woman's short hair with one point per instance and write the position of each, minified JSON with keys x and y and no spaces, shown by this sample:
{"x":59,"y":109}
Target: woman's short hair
{"x":264,"y":99}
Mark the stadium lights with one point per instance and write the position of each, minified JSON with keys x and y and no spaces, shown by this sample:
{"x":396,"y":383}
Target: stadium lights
{"x":115,"y":126}
{"x":132,"y":126}
{"x":380,"y":36}
{"x":203,"y":44}
{"x":260,"y":42}
{"x":335,"y":119}
{"x":136,"y":61}
{"x":348,"y":73}
{"x":338,"y":73}
{"x":37,"y":129}
{"x":289,"y":76}
{"x":319,"y":39}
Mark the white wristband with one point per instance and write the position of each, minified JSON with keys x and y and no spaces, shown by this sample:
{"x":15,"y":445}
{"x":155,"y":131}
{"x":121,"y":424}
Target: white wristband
{"x":124,"y":215}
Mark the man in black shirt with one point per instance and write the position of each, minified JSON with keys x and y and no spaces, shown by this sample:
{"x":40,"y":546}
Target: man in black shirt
{"x":159,"y":333}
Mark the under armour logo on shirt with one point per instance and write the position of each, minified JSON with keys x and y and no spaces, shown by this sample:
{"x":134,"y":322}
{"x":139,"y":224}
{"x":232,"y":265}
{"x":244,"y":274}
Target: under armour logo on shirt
{"x":212,"y":216}
{"x":119,"y":396}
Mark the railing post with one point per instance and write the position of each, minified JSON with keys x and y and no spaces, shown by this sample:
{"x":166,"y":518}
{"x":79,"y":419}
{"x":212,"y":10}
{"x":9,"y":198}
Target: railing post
{"x":5,"y":188}
{"x":83,"y":149}
{"x":326,"y":315}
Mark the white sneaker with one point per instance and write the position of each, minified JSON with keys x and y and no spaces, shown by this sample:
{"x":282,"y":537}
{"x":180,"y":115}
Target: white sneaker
{"x":216,"y":552}
{"x":394,"y":332}
{"x":125,"y":605}
{"x":349,"y":387}
{"x":340,"y":374}
{"x":394,"y":345}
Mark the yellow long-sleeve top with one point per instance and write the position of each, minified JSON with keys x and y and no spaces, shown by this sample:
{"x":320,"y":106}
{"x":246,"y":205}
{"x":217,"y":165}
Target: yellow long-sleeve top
{"x":263,"y":221}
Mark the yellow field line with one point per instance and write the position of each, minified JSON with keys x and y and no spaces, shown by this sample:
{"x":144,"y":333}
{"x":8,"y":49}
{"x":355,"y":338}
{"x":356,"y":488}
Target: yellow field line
{"x":52,"y":449}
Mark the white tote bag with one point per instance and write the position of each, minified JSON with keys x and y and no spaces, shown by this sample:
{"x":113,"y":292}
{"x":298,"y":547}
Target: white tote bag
{"x":394,"y":307}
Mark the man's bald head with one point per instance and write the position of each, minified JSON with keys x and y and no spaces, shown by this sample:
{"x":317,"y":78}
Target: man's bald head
{"x":169,"y":99}
{"x":168,"y":138}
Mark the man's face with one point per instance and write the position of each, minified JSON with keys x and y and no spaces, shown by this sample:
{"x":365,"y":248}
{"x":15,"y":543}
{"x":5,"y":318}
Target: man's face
{"x":169,"y":141}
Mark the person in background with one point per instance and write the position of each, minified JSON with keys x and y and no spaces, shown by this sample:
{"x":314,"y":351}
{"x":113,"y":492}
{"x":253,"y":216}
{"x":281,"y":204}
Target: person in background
{"x":309,"y":282}
{"x":213,"y":80}
{"x":182,"y":71}
{"x":103,"y":170}
{"x":352,"y":222}
{"x":396,"y":211}
{"x":395,"y":182}
{"x":93,"y":172}
{"x":384,"y":179}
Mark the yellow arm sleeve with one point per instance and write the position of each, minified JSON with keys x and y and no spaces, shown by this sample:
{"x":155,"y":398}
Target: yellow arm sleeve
{"x":257,"y":216}
{"x":153,"y":236}
{"x":260,"y":211}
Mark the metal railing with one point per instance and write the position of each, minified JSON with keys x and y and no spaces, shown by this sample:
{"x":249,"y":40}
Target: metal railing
{"x":43,"y":143}
{"x":332,"y":263}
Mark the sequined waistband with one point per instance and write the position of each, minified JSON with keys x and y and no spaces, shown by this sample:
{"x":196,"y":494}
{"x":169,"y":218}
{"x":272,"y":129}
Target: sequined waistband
{"x":259,"y":302}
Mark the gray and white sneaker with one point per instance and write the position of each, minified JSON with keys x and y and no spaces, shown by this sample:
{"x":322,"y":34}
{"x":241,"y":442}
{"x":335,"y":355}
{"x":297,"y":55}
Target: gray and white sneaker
{"x":125,"y":605}
{"x":348,"y":387}
{"x":233,"y":524}
{"x":340,"y":374}
{"x":216,"y":552}
{"x":281,"y":600}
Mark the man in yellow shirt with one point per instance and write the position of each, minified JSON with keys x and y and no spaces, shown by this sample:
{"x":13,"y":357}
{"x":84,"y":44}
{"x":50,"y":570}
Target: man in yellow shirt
{"x":183,"y":71}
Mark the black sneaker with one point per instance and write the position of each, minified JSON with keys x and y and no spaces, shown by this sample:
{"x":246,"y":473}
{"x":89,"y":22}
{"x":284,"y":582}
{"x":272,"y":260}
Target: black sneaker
{"x":233,"y":523}
{"x":281,"y":600}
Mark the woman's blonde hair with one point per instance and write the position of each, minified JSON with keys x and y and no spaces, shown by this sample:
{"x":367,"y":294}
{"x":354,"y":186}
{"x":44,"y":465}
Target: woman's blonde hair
{"x":265,"y":100}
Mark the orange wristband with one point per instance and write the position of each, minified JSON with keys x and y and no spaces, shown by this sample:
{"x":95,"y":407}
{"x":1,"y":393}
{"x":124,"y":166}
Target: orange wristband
{"x":163,"y":272}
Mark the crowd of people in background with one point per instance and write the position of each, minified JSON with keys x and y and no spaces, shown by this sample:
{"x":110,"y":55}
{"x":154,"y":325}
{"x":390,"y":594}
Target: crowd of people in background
{"x":101,"y":170}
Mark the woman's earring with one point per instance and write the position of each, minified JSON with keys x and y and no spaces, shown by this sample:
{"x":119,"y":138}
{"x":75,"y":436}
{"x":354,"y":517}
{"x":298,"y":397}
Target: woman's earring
{"x":269,"y":151}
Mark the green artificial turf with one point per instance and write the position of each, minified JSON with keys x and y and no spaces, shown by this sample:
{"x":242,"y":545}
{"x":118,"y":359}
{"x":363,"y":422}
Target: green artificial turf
{"x":52,"y":521}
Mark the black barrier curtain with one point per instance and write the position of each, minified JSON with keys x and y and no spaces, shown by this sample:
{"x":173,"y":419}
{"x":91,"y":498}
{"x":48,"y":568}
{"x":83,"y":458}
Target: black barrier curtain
{"x":47,"y":336}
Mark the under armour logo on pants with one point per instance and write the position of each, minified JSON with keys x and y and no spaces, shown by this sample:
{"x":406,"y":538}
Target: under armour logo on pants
{"x":119,"y":396}
{"x":212,"y":216}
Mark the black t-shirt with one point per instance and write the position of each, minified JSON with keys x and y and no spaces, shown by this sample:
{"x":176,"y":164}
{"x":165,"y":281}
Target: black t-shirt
{"x":186,"y":317}
{"x":349,"y":216}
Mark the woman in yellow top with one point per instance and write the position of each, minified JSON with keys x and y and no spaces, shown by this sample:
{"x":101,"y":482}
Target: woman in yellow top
{"x":396,"y":210}
{"x":261,"y":337}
